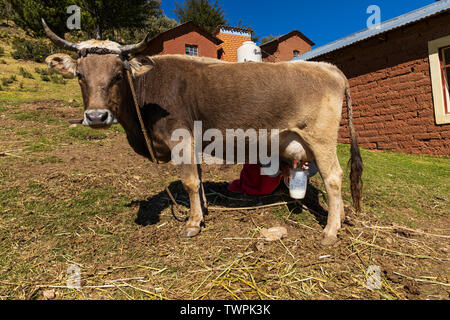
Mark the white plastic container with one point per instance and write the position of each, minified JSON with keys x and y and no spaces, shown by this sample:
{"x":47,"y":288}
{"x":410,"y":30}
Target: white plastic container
{"x":298,"y":183}
{"x":249,"y":51}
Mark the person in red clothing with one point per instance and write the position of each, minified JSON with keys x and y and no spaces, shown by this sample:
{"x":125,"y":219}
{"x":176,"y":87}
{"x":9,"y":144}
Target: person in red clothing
{"x":253,"y":183}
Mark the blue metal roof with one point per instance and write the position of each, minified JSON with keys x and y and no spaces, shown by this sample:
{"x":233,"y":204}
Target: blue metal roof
{"x":400,"y":21}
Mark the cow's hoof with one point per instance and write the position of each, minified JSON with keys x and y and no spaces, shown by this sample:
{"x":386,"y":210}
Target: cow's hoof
{"x":329,"y":241}
{"x":191,"y":232}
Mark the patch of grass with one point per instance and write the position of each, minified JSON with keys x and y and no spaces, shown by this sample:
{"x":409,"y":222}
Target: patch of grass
{"x":58,"y":79}
{"x":36,"y":116}
{"x":24,"y":73}
{"x":35,"y":188}
{"x":22,"y":132}
{"x":50,"y":159}
{"x":117,"y":128}
{"x":66,"y":213}
{"x":49,"y":75}
{"x":83,"y":133}
{"x":26,"y":116}
{"x":29,"y":132}
{"x":8,"y":196}
{"x":45,"y":78}
{"x":38,"y":147}
{"x":99,"y":200}
{"x":32,"y":90}
{"x":44,"y":71}
{"x":7,"y":81}
{"x":396,"y":184}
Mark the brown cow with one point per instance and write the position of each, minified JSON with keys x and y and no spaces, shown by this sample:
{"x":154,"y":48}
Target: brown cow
{"x":301,"y":99}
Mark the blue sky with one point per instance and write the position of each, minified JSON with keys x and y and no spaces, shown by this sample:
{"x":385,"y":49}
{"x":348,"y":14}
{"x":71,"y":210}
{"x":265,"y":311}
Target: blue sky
{"x":322,"y":21}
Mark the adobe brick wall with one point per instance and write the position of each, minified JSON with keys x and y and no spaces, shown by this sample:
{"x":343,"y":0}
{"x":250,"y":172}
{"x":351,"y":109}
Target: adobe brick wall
{"x":391,"y":90}
{"x":284,"y":50}
{"x":231,"y":43}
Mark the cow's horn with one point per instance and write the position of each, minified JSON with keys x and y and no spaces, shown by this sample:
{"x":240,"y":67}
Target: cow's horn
{"x":57,"y":40}
{"x":135,"y":48}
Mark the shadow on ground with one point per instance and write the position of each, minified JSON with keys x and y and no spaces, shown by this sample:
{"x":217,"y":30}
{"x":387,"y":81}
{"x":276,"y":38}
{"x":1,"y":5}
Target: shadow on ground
{"x":218,"y":195}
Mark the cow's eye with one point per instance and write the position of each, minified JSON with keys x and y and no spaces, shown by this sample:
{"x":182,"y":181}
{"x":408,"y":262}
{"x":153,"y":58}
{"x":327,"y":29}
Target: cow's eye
{"x":80,"y":76}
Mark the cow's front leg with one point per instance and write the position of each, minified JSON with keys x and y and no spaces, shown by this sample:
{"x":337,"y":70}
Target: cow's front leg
{"x":191,"y":181}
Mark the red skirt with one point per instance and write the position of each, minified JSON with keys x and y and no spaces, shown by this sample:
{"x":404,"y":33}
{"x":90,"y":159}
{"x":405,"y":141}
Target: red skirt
{"x":253,"y":183}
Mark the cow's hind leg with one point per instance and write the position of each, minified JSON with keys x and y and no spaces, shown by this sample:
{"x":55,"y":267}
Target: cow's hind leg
{"x":191,"y":181}
{"x":331,"y":172}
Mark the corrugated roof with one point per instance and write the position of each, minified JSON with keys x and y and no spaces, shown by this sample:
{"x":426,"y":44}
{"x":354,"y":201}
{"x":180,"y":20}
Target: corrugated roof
{"x":410,"y":17}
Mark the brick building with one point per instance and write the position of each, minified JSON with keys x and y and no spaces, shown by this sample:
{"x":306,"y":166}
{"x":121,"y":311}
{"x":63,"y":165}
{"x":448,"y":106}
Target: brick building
{"x":399,"y":76}
{"x":286,"y":47}
{"x":232,"y":38}
{"x":187,"y":38}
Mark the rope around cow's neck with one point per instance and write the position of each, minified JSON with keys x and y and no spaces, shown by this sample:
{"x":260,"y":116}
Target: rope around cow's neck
{"x":150,"y":148}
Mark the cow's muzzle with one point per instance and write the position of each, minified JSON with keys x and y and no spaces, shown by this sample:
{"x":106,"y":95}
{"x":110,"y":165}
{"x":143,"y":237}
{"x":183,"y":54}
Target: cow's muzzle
{"x":98,"y":118}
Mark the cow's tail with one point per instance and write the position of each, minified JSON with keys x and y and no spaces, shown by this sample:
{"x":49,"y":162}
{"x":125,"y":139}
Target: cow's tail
{"x":355,"y":162}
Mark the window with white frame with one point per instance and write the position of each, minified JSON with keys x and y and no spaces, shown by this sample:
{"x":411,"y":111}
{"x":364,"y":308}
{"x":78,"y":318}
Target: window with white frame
{"x":191,"y":50}
{"x":439,"y":54}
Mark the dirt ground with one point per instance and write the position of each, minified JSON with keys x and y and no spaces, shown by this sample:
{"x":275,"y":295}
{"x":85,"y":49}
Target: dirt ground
{"x":70,"y":197}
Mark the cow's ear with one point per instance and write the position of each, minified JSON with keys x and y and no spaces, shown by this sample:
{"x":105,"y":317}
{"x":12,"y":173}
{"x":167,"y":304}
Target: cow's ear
{"x":141,"y":64}
{"x":63,"y":64}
